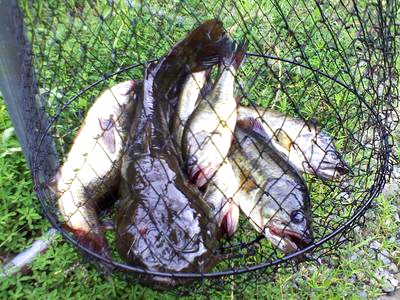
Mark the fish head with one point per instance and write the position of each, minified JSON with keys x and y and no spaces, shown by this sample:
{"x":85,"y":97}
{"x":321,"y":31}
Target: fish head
{"x":289,"y":236}
{"x":318,"y":155}
{"x":285,"y":215}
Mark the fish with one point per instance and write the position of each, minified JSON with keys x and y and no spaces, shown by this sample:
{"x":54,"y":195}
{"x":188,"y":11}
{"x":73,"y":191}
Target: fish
{"x":273,"y":195}
{"x":220,"y":196}
{"x":92,"y":166}
{"x":188,"y":96}
{"x":308,"y":148}
{"x":224,"y":184}
{"x":162,"y":222}
{"x":209,"y":130}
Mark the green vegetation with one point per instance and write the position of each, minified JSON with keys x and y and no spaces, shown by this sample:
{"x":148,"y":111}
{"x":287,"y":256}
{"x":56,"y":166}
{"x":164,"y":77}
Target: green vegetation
{"x":76,"y":43}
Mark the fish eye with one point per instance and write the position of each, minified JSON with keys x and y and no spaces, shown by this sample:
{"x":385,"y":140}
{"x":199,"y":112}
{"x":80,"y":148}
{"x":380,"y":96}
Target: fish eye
{"x":297,"y":217}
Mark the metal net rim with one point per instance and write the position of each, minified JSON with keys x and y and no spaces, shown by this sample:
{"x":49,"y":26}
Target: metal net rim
{"x":366,"y":200}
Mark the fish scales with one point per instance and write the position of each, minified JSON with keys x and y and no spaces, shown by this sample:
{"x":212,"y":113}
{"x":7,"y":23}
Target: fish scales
{"x":272,"y":195}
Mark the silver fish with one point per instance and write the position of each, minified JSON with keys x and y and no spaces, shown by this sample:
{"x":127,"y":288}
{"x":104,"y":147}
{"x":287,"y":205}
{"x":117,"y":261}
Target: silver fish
{"x":272,"y":195}
{"x":208,"y":133}
{"x":306,"y":147}
{"x":93,"y":164}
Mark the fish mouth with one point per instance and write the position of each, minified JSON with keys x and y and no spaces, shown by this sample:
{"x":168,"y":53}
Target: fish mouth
{"x":289,"y":240}
{"x":333,"y":171}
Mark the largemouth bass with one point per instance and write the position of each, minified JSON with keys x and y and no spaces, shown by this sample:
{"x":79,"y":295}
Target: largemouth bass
{"x":162,"y":222}
{"x":92,"y":167}
{"x":307,"y":148}
{"x":273,"y":195}
{"x":208,"y":133}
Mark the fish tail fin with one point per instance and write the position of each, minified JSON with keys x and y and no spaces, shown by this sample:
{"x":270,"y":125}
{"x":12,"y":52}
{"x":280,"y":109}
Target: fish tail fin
{"x":206,"y":40}
{"x":234,"y":53}
{"x":240,"y":54}
{"x":209,"y":56}
{"x":203,"y":47}
{"x":207,"y":74}
{"x":211,"y":30}
{"x":52,"y":184}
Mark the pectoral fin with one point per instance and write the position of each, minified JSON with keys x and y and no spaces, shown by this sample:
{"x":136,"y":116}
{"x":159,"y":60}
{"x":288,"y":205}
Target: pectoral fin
{"x":108,"y":135}
{"x":254,"y":125}
{"x":283,"y":138}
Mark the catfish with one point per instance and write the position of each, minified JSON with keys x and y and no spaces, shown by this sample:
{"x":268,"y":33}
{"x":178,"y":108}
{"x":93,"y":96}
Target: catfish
{"x":162,"y":222}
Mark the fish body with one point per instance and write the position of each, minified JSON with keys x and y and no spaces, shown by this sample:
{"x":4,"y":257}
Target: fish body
{"x":92,"y":166}
{"x":208,"y":134}
{"x":272,"y":195}
{"x":162,"y":222}
{"x":188,"y":96}
{"x":220,"y":196}
{"x":307,"y":148}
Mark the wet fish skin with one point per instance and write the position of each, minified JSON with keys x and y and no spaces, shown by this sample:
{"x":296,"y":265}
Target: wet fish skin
{"x":188,"y":96}
{"x":307,"y":147}
{"x":273,"y":195}
{"x":92,"y":166}
{"x":224,"y":184}
{"x":162,"y":222}
{"x":220,"y":196}
{"x":208,"y":133}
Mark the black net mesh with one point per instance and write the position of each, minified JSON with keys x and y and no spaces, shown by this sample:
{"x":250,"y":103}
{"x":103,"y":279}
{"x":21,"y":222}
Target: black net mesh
{"x":310,"y":151}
